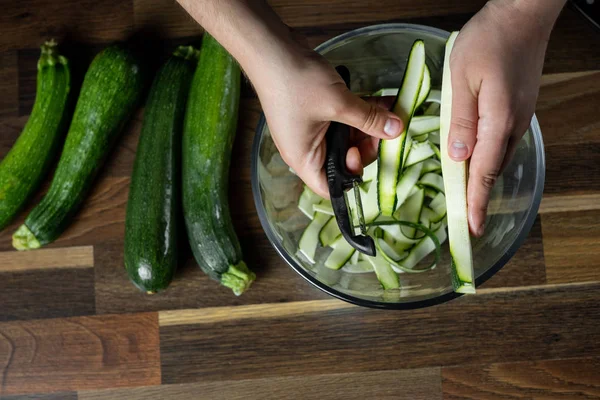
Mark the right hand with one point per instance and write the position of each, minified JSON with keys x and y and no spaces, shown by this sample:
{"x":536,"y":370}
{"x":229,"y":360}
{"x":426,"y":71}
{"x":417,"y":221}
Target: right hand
{"x":300,"y":98}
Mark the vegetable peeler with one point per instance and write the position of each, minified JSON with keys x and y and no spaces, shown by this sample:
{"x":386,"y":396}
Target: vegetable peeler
{"x":340,"y":181}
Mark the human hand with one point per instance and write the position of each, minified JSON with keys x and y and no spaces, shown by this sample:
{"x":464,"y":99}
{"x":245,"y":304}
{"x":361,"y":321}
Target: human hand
{"x":299,"y":101}
{"x":496,"y":66}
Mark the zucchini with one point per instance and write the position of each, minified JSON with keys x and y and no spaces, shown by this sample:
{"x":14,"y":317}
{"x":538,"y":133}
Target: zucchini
{"x":310,"y":237}
{"x":455,"y":183}
{"x":329,"y":233}
{"x":307,"y":200}
{"x":29,"y":160}
{"x":208,"y":134}
{"x":341,"y":254}
{"x":111,"y":89}
{"x":393,"y":152}
{"x":151,"y":224}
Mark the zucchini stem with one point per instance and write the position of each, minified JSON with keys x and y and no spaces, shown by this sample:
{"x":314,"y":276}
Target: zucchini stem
{"x":24,"y":239}
{"x":238,"y":278}
{"x":50,"y":55}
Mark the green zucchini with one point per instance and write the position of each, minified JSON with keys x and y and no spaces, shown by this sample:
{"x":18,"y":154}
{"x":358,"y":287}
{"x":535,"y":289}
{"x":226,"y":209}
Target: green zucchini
{"x":111,"y":89}
{"x":151,"y":224}
{"x":29,"y":160}
{"x":455,"y":184}
{"x":208,"y":134}
{"x":393,"y":152}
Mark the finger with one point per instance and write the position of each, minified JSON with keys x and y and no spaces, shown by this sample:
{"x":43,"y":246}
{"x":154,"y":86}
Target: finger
{"x":354,"y":162}
{"x":511,"y":148}
{"x":367,"y":117}
{"x":310,"y":169}
{"x":385,"y":102}
{"x":494,"y":129}
{"x":368,"y":149}
{"x":464,"y":120}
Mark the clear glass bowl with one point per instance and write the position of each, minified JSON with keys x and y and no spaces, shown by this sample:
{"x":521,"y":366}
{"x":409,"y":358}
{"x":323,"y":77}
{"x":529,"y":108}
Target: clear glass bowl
{"x":376,"y":57}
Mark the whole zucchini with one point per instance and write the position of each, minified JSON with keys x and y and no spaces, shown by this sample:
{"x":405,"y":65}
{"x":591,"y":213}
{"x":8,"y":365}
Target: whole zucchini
{"x":110,"y":91}
{"x":29,"y":160}
{"x":153,"y":209}
{"x":208,"y":133}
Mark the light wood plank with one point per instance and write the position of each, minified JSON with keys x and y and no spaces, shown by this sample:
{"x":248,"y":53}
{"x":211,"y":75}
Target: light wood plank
{"x":572,"y":246}
{"x":255,"y":311}
{"x":79,"y":353}
{"x":417,"y":384}
{"x":70,"y":257}
{"x":570,"y":379}
{"x":559,"y":203}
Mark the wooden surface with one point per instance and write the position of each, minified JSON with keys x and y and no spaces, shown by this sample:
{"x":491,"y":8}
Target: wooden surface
{"x":73,"y":327}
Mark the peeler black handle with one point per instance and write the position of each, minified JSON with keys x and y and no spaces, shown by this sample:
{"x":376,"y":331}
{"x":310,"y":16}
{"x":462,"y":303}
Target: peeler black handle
{"x":340,"y":180}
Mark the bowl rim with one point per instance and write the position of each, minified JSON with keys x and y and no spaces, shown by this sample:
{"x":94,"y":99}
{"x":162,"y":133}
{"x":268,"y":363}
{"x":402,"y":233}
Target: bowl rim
{"x":525,"y":228}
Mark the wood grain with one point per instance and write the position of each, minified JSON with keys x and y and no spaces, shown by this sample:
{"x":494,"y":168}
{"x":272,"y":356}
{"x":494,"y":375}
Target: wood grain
{"x":526,"y":267}
{"x":79,"y":353}
{"x":564,"y":203}
{"x":71,"y":257}
{"x":498,"y":327}
{"x":166,"y":17}
{"x":46,"y":293}
{"x":48,"y":396}
{"x":258,"y":311}
{"x":568,"y":108}
{"x":572,"y":169}
{"x":417,"y":384}
{"x":191,"y":288}
{"x":9,"y":89}
{"x":572,"y":246}
{"x":570,"y":379}
{"x":101,"y":217}
{"x":25,"y":25}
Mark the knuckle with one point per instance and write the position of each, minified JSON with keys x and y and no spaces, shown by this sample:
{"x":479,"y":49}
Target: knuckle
{"x":489,"y":179}
{"x":370,"y":119}
{"x":459,"y":123}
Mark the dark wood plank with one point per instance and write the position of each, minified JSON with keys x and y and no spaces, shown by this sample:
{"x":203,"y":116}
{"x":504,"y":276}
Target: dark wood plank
{"x":28,"y":59}
{"x":572,"y":246}
{"x":526,"y":268}
{"x":567,"y":108}
{"x":47,"y":283}
{"x":416,"y":384}
{"x":572,"y":169}
{"x":46,"y":294}
{"x":500,"y":326}
{"x":11,"y":128}
{"x":191,"y":288}
{"x":554,"y":379}
{"x":9,"y":84}
{"x":101,"y":217}
{"x":48,"y":396}
{"x":27,"y":25}
{"x":166,"y":17}
{"x":79,"y":353}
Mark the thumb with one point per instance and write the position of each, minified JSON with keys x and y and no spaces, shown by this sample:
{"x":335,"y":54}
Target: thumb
{"x":464,"y":120}
{"x":368,"y":117}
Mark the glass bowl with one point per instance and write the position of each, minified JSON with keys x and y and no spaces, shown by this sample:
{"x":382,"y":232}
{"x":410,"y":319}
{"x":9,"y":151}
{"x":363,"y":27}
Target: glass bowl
{"x":376,"y":57}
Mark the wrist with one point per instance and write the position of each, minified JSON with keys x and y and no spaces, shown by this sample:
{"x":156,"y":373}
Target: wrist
{"x":541,"y":14}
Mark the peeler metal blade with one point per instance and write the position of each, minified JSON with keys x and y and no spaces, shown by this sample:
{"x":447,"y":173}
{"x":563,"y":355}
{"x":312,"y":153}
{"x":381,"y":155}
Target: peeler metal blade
{"x":340,"y":181}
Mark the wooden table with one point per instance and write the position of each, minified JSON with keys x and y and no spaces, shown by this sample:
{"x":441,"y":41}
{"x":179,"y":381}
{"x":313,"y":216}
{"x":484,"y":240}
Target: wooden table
{"x":74,"y":327}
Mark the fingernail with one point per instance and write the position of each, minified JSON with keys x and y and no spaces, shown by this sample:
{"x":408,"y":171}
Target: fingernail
{"x":392,"y":127}
{"x":458,"y":149}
